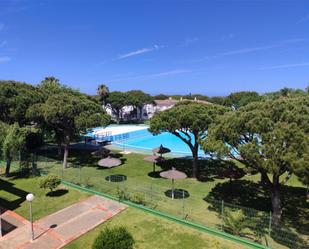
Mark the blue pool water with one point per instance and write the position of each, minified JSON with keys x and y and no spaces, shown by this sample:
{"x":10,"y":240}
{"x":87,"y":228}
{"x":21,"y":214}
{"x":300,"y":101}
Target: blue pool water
{"x":147,"y":141}
{"x":142,"y":140}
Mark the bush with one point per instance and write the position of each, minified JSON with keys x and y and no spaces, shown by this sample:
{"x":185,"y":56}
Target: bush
{"x":235,"y":221}
{"x":114,"y":238}
{"x":138,"y":198}
{"x":122,"y":194}
{"x":50,"y":182}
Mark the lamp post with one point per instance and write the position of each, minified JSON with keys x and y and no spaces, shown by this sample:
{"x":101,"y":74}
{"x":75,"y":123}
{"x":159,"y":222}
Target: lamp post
{"x":30,"y":198}
{"x":0,"y":224}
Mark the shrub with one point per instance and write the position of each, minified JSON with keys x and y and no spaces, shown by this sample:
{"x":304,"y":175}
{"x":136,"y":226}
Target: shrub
{"x":138,"y":198}
{"x":50,"y":182}
{"x":122,"y":194}
{"x":235,"y":221}
{"x":114,"y":238}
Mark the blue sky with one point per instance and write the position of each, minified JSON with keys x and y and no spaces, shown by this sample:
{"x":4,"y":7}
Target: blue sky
{"x":209,"y":47}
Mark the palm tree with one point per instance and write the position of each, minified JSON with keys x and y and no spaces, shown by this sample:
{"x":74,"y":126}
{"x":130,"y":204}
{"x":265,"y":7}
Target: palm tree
{"x":103,"y":92}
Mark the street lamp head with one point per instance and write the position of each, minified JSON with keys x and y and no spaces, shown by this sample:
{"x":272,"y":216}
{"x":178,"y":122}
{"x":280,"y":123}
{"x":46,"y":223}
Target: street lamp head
{"x":30,"y":197}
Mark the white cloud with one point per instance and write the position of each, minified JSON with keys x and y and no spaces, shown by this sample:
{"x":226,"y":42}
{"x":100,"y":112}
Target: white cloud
{"x":304,"y":64}
{"x":189,"y":41}
{"x":243,"y":51}
{"x":231,"y":52}
{"x":155,"y":75}
{"x":228,"y":36}
{"x":250,"y":49}
{"x":139,"y":51}
{"x":3,"y":43}
{"x":304,"y":19}
{"x":4,"y":59}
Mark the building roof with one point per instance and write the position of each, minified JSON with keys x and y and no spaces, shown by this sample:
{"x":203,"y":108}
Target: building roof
{"x":171,"y":102}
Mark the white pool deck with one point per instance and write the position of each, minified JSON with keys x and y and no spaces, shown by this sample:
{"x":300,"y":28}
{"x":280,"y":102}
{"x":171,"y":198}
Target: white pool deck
{"x":119,"y":129}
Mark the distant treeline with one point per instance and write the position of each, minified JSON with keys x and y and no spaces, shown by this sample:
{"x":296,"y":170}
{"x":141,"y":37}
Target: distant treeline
{"x":238,"y":99}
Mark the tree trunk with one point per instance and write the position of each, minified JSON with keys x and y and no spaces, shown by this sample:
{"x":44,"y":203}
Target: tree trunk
{"x":8,"y":166}
{"x":195,"y":168}
{"x":276,"y":204}
{"x":263,"y":180}
{"x":136,"y":113}
{"x":118,"y":117}
{"x":33,"y":164}
{"x":65,"y":155}
{"x":59,"y":149}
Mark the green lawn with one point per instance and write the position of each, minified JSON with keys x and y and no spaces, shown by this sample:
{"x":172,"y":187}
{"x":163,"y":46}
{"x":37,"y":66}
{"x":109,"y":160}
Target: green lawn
{"x":150,"y":231}
{"x":197,"y":207}
{"x":14,"y":191}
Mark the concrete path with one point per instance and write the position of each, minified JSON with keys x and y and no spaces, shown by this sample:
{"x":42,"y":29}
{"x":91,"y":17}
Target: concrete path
{"x":60,"y":228}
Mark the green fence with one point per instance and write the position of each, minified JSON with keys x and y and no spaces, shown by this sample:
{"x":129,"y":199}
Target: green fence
{"x":250,"y":224}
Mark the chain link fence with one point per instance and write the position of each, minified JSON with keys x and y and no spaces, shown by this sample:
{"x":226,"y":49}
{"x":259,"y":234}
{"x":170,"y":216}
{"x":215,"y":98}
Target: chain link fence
{"x":237,"y":220}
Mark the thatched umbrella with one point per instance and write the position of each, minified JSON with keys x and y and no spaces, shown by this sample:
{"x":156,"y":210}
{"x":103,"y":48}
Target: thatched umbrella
{"x":109,"y":162}
{"x":154,"y":159}
{"x":161,"y":150}
{"x":173,"y":174}
{"x":101,"y":152}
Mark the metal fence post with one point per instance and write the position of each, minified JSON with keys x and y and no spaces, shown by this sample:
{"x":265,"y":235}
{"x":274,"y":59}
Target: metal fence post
{"x":80,"y":173}
{"x":222,"y":214}
{"x":0,"y":224}
{"x":62,"y":173}
{"x":183,"y":204}
{"x":269,"y":224}
{"x":151,"y":194}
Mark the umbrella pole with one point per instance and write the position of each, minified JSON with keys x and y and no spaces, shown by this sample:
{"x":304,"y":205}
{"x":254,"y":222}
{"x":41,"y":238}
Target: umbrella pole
{"x":172,"y":189}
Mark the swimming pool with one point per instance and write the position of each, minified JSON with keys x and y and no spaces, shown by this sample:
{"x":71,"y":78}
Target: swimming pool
{"x":138,"y":138}
{"x":147,"y":142}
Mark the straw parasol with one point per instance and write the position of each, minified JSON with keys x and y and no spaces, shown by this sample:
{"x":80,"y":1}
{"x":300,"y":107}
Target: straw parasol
{"x":154,"y":159}
{"x":173,"y":174}
{"x":101,"y":152}
{"x":161,"y":150}
{"x":109,"y":162}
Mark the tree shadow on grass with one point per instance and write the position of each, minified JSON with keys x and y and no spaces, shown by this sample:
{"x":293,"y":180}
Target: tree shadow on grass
{"x":20,"y":174}
{"x":210,"y":169}
{"x":57,"y":193}
{"x":9,"y":188}
{"x":252,"y":197}
{"x":242,"y":193}
{"x":77,"y":155}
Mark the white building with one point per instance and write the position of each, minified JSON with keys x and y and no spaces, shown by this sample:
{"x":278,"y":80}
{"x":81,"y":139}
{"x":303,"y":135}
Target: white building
{"x":148,"y":110}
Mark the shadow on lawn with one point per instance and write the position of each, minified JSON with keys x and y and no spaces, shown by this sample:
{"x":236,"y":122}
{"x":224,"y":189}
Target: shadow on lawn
{"x":210,"y":169}
{"x":78,"y":155}
{"x":255,"y":198}
{"x":116,"y":178}
{"x":178,"y":193}
{"x":9,"y":188}
{"x":57,"y":193}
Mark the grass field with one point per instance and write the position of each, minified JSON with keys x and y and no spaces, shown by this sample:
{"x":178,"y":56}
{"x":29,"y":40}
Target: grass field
{"x":245,"y":192}
{"x":150,"y":231}
{"x":14,"y":191}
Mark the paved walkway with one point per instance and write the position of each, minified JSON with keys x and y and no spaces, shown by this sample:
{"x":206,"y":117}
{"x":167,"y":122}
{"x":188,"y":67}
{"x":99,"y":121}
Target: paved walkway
{"x":60,"y":228}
